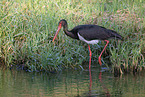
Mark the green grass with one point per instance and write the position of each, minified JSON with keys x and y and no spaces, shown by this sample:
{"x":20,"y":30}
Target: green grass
{"x":27,"y":28}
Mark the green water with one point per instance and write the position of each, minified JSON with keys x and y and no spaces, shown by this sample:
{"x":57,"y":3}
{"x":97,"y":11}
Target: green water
{"x":67,"y":83}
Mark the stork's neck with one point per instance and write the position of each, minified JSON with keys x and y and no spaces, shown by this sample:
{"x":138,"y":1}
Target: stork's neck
{"x":67,"y":32}
{"x":65,"y":28}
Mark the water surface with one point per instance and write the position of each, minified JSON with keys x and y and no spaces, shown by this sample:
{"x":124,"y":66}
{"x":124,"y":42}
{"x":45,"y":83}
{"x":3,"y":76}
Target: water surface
{"x":70,"y":83}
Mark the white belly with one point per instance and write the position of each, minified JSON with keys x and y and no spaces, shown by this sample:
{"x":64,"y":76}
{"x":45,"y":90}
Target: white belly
{"x":88,"y":42}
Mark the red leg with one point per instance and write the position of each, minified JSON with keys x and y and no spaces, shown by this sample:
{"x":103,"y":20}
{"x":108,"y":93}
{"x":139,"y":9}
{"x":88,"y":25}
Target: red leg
{"x":90,"y":87}
{"x":90,"y":57}
{"x":99,"y":59}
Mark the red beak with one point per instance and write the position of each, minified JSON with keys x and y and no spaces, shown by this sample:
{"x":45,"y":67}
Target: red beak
{"x":59,"y":27}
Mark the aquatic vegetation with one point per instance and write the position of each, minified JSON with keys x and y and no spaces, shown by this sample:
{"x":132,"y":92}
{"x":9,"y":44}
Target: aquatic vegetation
{"x":28,"y":27}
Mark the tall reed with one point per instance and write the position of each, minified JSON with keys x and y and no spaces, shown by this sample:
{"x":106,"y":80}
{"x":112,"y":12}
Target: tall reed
{"x":27,"y":28}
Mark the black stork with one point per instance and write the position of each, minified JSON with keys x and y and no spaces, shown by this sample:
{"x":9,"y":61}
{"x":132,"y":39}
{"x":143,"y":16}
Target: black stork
{"x":91,"y":34}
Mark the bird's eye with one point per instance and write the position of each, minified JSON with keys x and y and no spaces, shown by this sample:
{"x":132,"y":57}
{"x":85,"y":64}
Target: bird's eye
{"x":60,"y":23}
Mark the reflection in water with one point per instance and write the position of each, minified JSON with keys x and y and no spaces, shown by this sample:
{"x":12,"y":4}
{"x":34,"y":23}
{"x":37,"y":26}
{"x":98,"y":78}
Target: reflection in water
{"x":15,"y":83}
{"x":90,"y":86}
{"x":101,"y":82}
{"x":103,"y":85}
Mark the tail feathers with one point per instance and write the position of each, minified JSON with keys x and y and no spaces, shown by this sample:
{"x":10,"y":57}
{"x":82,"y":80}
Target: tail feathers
{"x":115,"y":35}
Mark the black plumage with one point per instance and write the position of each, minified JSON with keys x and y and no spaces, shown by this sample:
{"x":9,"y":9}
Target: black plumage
{"x":94,"y":32}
